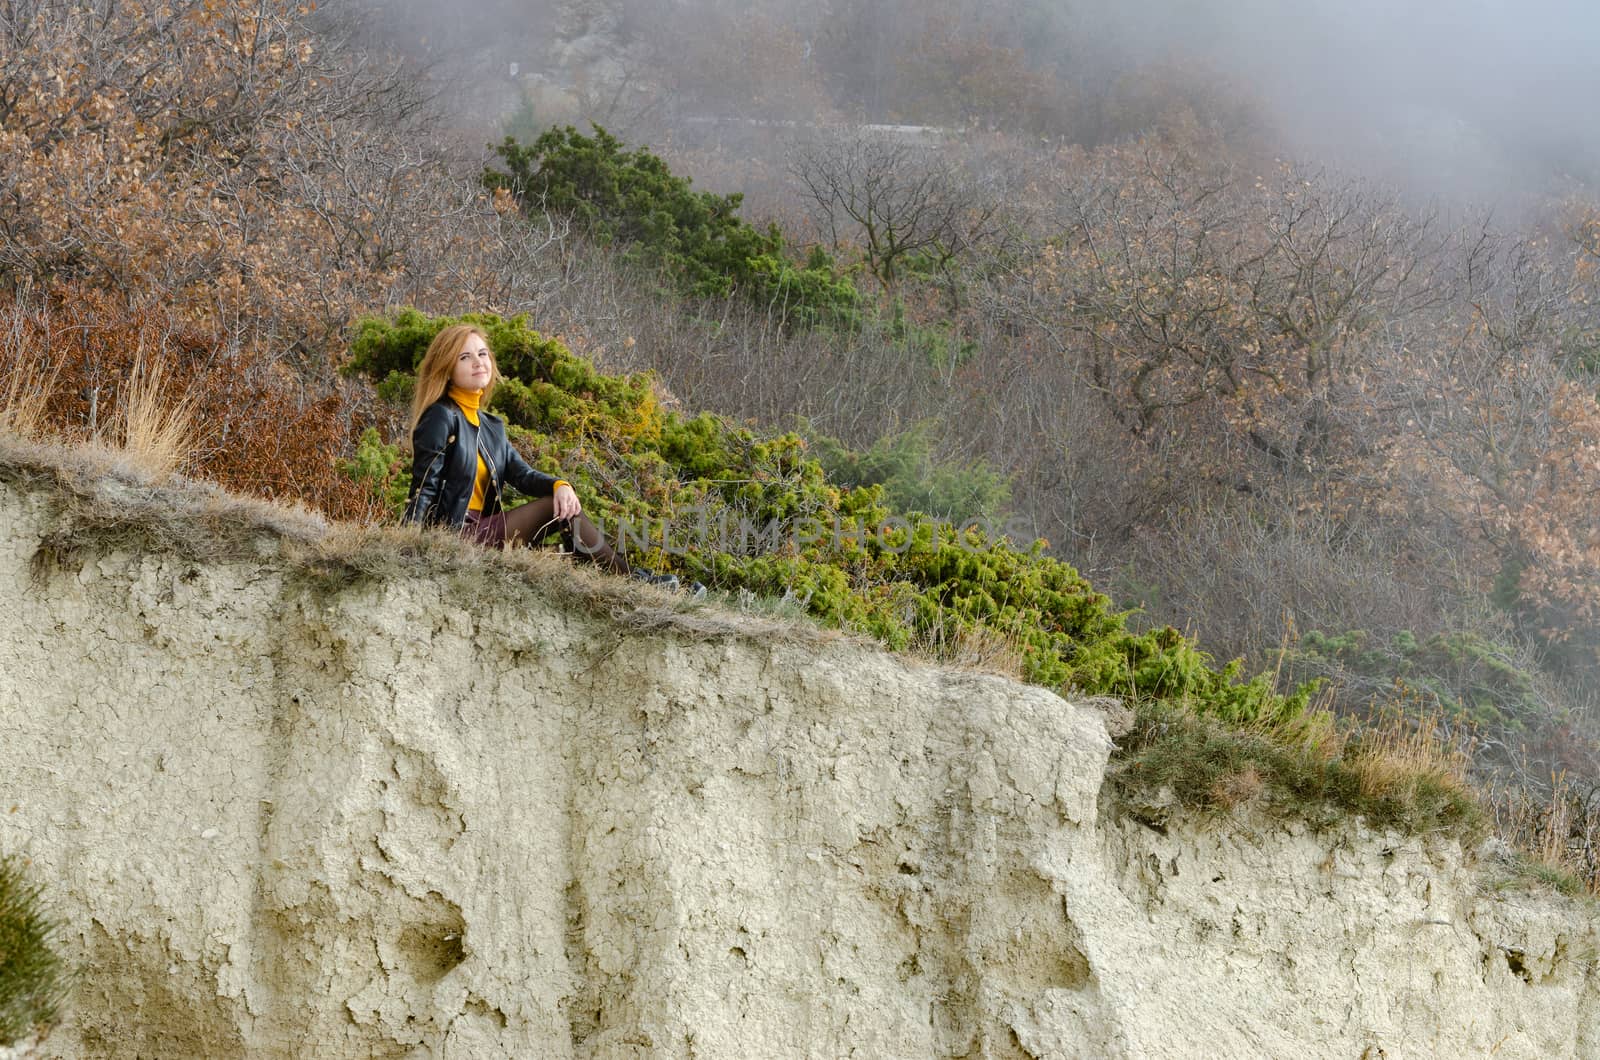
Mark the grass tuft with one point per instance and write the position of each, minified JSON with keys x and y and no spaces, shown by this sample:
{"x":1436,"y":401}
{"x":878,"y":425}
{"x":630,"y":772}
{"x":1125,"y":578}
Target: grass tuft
{"x":1241,"y":788}
{"x":1552,"y":877}
{"x":158,"y":421}
{"x":349,"y":555}
{"x":33,"y":978}
{"x":971,"y":647}
{"x":24,"y":401}
{"x":1397,"y":775}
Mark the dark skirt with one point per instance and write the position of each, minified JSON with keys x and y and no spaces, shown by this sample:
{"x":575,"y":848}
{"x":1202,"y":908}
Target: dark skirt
{"x":490,"y":532}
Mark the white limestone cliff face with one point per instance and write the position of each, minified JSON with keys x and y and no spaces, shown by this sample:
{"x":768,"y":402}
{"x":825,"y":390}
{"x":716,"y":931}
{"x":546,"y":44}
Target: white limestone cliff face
{"x":283,"y":816}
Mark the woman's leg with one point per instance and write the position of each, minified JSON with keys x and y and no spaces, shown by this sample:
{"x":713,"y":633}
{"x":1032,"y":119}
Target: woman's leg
{"x":531,"y":523}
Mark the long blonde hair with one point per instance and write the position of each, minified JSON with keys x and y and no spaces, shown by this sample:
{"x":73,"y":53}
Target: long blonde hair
{"x":433,"y":374}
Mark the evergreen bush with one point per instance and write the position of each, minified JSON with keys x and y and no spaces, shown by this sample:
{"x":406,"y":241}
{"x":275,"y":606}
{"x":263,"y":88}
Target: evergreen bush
{"x":1459,"y":672}
{"x":631,"y":199}
{"x":912,"y":480}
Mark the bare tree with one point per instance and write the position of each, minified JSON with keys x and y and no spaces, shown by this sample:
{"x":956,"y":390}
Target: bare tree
{"x":904,"y":200}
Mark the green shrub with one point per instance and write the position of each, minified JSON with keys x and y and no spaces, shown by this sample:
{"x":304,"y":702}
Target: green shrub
{"x":33,"y":979}
{"x":397,"y":389}
{"x":806,"y":297}
{"x":630,"y":199}
{"x":1459,"y":672}
{"x":382,"y":469}
{"x":937,"y":343}
{"x":391,"y":348}
{"x":912,"y":480}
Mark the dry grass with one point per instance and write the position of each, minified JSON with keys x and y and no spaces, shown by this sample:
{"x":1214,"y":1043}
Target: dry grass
{"x":159,"y":420}
{"x":1401,"y":776}
{"x":983,"y":651}
{"x":1240,"y":788}
{"x":102,"y":501}
{"x":1401,"y":772}
{"x":155,"y":433}
{"x":349,"y":554}
{"x":31,"y":375}
{"x":970,"y":648}
{"x":1398,"y":753}
{"x":105,"y":501}
{"x":25,"y":397}
{"x":1554,"y":830}
{"x":1557,"y":831}
{"x":138,"y":381}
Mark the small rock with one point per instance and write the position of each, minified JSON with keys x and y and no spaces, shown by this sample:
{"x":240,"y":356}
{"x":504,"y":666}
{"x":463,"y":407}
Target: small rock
{"x":1114,"y":711}
{"x":1497,"y":848}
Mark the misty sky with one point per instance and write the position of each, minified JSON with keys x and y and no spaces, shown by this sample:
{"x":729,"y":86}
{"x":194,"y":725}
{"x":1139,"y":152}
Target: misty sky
{"x":1467,"y":93}
{"x":1481,"y":98}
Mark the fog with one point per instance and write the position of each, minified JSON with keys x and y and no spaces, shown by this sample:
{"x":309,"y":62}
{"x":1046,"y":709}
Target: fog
{"x":1478,"y":99}
{"x":1474,"y":96}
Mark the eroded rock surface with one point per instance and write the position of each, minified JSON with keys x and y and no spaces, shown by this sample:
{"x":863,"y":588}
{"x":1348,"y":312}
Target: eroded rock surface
{"x":282,"y":817}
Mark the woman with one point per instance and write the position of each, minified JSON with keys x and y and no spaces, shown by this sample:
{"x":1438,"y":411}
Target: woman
{"x":461,"y":460}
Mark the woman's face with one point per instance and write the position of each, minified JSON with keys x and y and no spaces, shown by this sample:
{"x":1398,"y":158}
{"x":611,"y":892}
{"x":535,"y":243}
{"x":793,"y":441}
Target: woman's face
{"x":474,"y":365}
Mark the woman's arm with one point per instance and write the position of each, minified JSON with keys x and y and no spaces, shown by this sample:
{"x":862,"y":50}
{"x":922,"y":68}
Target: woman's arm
{"x":429,"y":443}
{"x":529,"y":483}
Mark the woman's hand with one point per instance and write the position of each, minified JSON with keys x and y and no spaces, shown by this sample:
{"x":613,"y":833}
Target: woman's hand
{"x":566,"y":502}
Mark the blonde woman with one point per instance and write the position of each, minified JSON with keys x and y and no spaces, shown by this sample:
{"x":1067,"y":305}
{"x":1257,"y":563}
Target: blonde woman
{"x":461,"y":461}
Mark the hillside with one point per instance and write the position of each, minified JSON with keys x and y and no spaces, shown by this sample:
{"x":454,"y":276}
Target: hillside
{"x":372,"y":794}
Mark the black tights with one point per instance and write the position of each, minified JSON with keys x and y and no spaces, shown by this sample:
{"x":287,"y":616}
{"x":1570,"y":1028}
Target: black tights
{"x":533,"y":522}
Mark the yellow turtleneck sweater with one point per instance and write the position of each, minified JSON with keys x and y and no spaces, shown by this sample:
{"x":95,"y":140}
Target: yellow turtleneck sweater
{"x":469,"y":401}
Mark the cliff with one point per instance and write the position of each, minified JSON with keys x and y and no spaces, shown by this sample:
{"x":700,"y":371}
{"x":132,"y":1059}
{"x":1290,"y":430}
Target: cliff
{"x":297,"y":793}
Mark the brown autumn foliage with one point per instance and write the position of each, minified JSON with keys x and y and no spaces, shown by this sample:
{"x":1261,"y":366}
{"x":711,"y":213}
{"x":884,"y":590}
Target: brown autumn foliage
{"x":194,"y":188}
{"x":235,"y":163}
{"x":255,"y":426}
{"x":144,"y":147}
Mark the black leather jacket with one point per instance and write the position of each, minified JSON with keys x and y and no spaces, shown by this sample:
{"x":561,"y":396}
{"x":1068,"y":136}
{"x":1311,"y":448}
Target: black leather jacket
{"x":445,"y":448}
